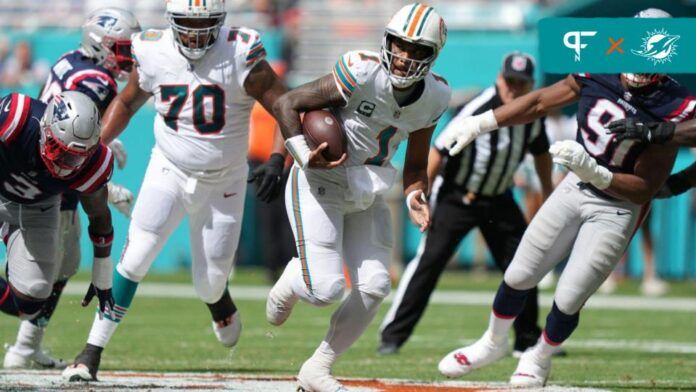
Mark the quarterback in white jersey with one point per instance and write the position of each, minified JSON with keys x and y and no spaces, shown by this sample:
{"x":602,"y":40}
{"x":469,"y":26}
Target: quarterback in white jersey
{"x":204,"y":79}
{"x":336,"y":208}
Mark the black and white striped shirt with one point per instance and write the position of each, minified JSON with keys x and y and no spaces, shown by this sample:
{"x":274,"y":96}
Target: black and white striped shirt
{"x":486,"y":166}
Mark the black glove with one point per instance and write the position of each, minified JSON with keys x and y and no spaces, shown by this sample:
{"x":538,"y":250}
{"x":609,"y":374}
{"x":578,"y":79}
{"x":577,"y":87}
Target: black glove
{"x":106,"y":300}
{"x":675,"y":185}
{"x":652,"y":132}
{"x":268,"y":178}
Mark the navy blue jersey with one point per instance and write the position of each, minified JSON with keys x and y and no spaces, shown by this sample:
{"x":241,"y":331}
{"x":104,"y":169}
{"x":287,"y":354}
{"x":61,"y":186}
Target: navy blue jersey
{"x":75,"y":71}
{"x":23,"y":174}
{"x":603,"y":99}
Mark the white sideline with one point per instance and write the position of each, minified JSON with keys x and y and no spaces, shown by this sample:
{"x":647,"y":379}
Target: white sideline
{"x":485,"y":298}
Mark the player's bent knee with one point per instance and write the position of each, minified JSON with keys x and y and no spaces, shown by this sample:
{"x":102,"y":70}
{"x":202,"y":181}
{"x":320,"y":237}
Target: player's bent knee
{"x":327,"y":290}
{"x":29,"y":308}
{"x":520,"y":278}
{"x":378,"y":285}
{"x":130,"y":272}
{"x":568,"y":301}
{"x":210,"y":292}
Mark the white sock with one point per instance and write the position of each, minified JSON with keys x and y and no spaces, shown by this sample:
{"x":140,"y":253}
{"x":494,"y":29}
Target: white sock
{"x":543,"y":349}
{"x":101,"y":331}
{"x":349,"y":322}
{"x":498,"y":328}
{"x":29,"y":337}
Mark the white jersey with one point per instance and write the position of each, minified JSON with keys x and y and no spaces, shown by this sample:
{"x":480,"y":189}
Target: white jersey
{"x":373,"y":121}
{"x":202,"y":120}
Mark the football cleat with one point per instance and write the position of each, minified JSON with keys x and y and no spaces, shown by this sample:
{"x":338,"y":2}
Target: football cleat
{"x":316,"y":377}
{"x":463,"y":360}
{"x":16,"y":358}
{"x":85,"y":366}
{"x":281,"y":298}
{"x":227,"y":331}
{"x":532,"y":371}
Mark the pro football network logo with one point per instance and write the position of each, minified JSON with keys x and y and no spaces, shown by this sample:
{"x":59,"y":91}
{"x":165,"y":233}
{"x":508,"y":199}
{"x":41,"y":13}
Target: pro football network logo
{"x":658,"y":46}
{"x":573,"y":40}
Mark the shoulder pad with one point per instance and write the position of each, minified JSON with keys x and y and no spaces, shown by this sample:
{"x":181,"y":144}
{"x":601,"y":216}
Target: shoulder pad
{"x":352,"y":69}
{"x":248,"y":42}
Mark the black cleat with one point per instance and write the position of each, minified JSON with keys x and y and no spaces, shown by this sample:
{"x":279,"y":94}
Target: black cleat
{"x":85,"y":366}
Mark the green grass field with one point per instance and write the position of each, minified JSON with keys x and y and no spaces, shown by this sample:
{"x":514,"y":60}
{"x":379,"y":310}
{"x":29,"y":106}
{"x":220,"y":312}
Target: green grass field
{"x":612,"y":349}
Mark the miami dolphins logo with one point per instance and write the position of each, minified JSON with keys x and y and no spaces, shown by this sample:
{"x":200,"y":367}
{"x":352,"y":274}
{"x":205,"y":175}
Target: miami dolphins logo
{"x":659,"y":47}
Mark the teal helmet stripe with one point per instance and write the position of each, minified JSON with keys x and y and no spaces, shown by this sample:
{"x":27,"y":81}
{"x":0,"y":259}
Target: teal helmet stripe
{"x":425,"y":18}
{"x":410,"y":15}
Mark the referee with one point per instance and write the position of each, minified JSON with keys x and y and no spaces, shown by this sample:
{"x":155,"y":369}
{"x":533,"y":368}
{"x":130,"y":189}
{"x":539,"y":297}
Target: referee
{"x":473,"y":189}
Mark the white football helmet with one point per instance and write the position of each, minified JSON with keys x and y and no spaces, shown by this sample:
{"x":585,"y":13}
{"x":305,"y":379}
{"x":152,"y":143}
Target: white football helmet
{"x":195,"y":24}
{"x":637,"y":80}
{"x":70,"y":131}
{"x":419,"y":24}
{"x":106,"y":37}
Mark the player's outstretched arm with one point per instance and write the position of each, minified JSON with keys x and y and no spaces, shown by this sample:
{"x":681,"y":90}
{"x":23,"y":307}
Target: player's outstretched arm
{"x":415,"y":177}
{"x":319,"y":94}
{"x":651,"y":171}
{"x":101,"y":233}
{"x":122,"y":108}
{"x":264,"y":85}
{"x":521,"y":110}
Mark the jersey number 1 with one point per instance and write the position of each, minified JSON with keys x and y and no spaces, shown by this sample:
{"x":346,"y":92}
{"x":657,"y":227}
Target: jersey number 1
{"x":177,"y":94}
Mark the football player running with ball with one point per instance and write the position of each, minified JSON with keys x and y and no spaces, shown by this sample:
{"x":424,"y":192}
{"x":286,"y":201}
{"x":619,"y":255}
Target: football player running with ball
{"x":592,"y":214}
{"x":339,"y":215}
{"x":204,"y":79}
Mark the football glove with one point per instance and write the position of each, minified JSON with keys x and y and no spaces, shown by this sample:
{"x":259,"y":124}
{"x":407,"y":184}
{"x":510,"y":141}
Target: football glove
{"x":102,"y":270}
{"x":268,"y":178}
{"x":572,"y":155}
{"x":119,"y":151}
{"x":651,"y":132}
{"x":464,"y":131}
{"x":121,"y":198}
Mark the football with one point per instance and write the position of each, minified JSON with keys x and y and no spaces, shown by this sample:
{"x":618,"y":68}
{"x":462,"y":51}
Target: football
{"x":320,"y":126}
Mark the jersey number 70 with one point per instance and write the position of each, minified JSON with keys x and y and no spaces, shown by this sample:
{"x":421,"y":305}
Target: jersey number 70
{"x":177,"y":94}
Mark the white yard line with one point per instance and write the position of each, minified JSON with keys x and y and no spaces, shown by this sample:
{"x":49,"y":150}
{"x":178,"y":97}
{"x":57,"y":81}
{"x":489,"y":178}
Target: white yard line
{"x":485,"y":298}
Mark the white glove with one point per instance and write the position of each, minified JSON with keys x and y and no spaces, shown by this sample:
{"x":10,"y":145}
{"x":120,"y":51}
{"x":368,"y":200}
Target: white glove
{"x":572,"y":155}
{"x":121,"y":198}
{"x":119,"y":151}
{"x":460,"y":134}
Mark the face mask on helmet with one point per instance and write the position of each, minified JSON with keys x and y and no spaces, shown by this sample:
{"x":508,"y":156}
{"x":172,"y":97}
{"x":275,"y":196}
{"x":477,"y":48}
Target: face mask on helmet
{"x":405,"y":62}
{"x":61,"y":161}
{"x":120,"y":59}
{"x":195,"y":35}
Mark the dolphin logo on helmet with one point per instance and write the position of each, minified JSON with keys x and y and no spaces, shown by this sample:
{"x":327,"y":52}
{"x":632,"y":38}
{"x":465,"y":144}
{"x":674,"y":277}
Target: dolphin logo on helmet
{"x":418,"y":24}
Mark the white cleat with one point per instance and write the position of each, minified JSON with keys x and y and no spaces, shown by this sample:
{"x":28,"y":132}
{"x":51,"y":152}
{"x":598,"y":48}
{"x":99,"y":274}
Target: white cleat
{"x":463,"y":360}
{"x":281,"y":298}
{"x":227,"y":331}
{"x":532,"y":371}
{"x":315,"y":377}
{"x":30,"y":358}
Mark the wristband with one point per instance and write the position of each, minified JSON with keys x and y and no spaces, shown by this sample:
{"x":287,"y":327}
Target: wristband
{"x":298,"y":148}
{"x":410,"y":197}
{"x":603,"y":178}
{"x":487,"y":121}
{"x":102,"y":270}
